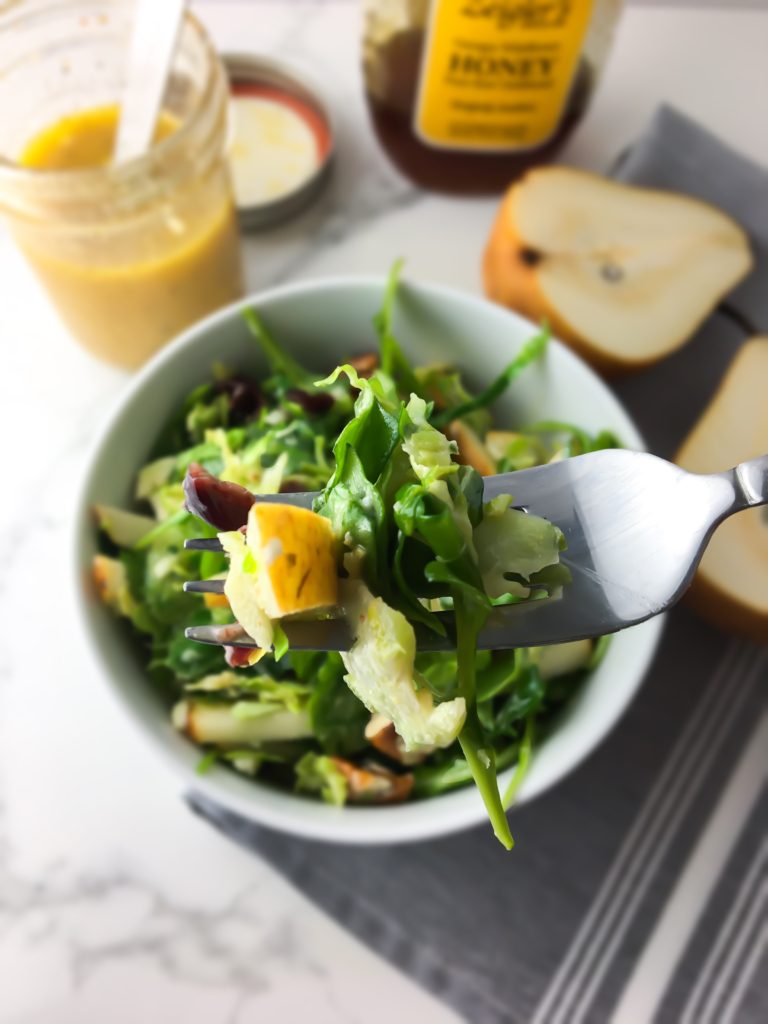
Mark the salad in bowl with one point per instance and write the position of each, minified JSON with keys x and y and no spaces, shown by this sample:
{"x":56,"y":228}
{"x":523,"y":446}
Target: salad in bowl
{"x":286,"y":741}
{"x":399,"y":540}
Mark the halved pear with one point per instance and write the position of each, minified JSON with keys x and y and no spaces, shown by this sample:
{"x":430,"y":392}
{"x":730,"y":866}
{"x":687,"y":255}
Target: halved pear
{"x":623,"y":274}
{"x":731,"y":585}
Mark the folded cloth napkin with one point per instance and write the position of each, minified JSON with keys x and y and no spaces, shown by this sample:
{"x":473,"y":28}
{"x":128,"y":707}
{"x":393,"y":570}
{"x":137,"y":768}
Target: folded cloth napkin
{"x":634,"y":886}
{"x":677,"y":154}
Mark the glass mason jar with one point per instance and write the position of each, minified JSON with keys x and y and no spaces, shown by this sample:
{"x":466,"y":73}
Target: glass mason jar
{"x":466,"y":95}
{"x":131,"y":253}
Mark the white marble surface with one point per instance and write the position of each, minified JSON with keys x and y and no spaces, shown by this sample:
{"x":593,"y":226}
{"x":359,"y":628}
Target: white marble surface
{"x":115,"y":904}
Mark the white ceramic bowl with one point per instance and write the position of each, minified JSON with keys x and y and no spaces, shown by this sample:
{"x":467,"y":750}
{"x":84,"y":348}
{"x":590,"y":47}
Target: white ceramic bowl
{"x":322,"y":323}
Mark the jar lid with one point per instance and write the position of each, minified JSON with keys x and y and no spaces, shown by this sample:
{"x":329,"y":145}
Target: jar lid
{"x":281,"y":139}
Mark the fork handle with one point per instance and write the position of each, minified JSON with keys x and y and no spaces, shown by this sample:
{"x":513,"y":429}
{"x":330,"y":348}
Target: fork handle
{"x":750,"y":481}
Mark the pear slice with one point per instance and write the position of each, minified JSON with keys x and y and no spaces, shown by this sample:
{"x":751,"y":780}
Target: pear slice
{"x":472,"y":452}
{"x":623,"y":274}
{"x":731,"y":585}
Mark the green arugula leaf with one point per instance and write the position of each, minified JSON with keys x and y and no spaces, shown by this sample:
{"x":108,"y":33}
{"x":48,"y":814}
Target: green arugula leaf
{"x":393,"y":360}
{"x":356,"y":510}
{"x":316,"y":773}
{"x":279,"y":360}
{"x":338,"y":717}
{"x":533,"y":349}
{"x":451,"y":770}
{"x":523,"y":763}
{"x":280,"y":641}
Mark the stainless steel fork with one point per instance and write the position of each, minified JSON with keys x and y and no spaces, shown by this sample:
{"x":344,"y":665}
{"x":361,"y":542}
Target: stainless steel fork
{"x":636,"y":528}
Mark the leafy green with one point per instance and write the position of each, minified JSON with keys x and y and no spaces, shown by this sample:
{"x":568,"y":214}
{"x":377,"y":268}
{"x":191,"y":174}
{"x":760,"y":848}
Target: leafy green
{"x":417,"y":540}
{"x":280,"y":361}
{"x":443,"y":384}
{"x":599,"y":651}
{"x":475,"y":743}
{"x":550,"y":441}
{"x":280,"y":641}
{"x":500,"y":673}
{"x":523,"y":763}
{"x":533,"y":349}
{"x":338,"y":717}
{"x":447,"y":770}
{"x":523,"y":701}
{"x":316,"y":773}
{"x":206,"y":414}
{"x":246,"y":760}
{"x":509,"y":540}
{"x":441,"y":538}
{"x":206,"y":762}
{"x":380,"y":672}
{"x":393,"y":361}
{"x":187,"y":659}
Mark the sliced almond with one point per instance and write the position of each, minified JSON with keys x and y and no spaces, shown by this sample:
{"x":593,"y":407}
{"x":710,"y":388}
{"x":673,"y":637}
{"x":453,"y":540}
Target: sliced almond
{"x":381,"y":734}
{"x":365,"y":364}
{"x":472,"y":451}
{"x":372,"y":784}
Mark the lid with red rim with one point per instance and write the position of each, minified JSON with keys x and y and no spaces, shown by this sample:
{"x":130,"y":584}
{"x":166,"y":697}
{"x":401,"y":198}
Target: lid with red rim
{"x":281,"y":139}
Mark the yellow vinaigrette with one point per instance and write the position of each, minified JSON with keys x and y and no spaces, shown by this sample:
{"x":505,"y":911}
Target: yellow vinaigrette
{"x":82,"y":140}
{"x":131,"y":259}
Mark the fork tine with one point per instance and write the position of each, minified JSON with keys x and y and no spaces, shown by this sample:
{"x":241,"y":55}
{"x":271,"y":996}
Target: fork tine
{"x":302,"y":499}
{"x":310,"y":635}
{"x":232,"y":635}
{"x":623,"y":569}
{"x":203,"y":544}
{"x":507,"y":627}
{"x":204,"y":586}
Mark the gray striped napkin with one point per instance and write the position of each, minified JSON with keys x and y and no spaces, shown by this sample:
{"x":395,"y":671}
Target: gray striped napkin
{"x":638,"y":888}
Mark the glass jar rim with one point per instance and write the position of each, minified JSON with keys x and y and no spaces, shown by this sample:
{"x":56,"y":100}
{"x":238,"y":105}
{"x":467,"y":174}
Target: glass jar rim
{"x":128,"y":178}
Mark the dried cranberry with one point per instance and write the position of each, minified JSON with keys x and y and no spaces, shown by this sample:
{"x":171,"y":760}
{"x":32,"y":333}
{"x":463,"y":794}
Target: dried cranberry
{"x":245,"y":398}
{"x":237,"y":657}
{"x":315,"y":403}
{"x":365,"y":363}
{"x":289,"y":486}
{"x":224,"y":505}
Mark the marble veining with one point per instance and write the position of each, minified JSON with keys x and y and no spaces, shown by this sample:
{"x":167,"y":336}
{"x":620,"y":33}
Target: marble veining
{"x":116,"y":904}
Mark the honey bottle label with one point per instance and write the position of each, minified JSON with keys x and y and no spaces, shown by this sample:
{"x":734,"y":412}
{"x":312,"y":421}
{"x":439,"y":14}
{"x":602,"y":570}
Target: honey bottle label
{"x":496,"y":74}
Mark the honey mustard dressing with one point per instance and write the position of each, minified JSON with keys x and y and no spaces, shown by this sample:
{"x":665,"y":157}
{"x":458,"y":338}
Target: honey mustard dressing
{"x":150,"y":254}
{"x":82,"y":140}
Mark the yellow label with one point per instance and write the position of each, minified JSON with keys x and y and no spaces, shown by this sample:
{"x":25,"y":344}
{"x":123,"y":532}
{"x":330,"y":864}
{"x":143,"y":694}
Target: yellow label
{"x":496,"y":75}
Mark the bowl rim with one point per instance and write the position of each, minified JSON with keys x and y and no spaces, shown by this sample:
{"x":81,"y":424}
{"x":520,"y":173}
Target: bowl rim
{"x":274,"y":808}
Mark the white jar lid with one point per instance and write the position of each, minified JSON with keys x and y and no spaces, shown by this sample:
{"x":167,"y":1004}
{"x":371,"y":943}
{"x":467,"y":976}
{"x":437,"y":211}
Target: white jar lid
{"x":281,"y":139}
